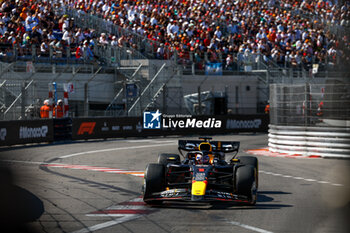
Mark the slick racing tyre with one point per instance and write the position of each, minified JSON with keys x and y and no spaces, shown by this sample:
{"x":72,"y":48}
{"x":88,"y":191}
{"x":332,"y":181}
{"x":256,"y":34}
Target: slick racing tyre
{"x":154,"y":181}
{"x":253,"y":161}
{"x":166,"y":158}
{"x":246,"y":183}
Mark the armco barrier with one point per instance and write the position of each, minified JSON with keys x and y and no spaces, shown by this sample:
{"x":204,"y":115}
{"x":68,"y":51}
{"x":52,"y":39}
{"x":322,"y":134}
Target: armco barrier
{"x":37,"y":131}
{"x":321,"y":141}
{"x":23,"y":132}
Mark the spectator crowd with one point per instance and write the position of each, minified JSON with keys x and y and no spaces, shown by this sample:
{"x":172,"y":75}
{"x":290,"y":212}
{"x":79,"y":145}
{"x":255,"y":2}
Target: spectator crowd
{"x":24,"y":23}
{"x":297,"y":33}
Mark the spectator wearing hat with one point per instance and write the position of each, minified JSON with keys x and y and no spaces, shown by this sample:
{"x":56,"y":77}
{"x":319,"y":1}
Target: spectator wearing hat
{"x":114,"y":41}
{"x":45,"y":109}
{"x":58,"y":111}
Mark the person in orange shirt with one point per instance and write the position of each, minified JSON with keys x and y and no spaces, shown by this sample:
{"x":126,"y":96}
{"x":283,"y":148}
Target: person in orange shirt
{"x":45,"y":109}
{"x":267,"y":108}
{"x":58,"y":111}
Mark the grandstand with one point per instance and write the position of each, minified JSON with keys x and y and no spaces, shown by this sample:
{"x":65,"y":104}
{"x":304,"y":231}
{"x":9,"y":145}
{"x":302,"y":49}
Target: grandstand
{"x":167,"y":50}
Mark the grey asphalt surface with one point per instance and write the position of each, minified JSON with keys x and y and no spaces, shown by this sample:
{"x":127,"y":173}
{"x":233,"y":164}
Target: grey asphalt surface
{"x":295,"y":195}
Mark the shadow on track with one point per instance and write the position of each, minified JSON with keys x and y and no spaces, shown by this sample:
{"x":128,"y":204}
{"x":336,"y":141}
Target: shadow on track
{"x":87,"y":182}
{"x":18,"y":206}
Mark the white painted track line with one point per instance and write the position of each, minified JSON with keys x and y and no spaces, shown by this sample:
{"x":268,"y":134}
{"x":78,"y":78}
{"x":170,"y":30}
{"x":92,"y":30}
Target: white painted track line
{"x":249,"y":227}
{"x":299,"y":178}
{"x":115,"y":149}
{"x":109,"y":223}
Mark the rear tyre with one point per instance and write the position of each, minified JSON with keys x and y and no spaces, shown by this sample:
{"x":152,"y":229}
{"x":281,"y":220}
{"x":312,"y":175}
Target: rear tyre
{"x":253,"y":161}
{"x":246,"y":183}
{"x":154,"y":181}
{"x":166,"y":158}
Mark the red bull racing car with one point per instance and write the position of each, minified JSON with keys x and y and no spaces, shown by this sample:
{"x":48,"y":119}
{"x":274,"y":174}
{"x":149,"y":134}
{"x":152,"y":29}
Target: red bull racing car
{"x":202,"y":175}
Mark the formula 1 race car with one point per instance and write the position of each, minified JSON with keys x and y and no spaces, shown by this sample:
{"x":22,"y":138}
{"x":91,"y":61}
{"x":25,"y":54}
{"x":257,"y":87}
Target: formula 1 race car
{"x":202,"y":175}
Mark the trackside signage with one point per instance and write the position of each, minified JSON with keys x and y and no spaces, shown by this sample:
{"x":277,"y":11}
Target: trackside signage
{"x":243,"y":124}
{"x":155,"y":123}
{"x":22,"y":132}
{"x":106,"y":127}
{"x":157,"y":120}
{"x":150,"y":124}
{"x":192,"y":123}
{"x":32,"y":132}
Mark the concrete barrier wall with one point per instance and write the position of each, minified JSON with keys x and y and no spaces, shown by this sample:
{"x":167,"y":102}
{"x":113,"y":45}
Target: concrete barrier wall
{"x":333,"y":142}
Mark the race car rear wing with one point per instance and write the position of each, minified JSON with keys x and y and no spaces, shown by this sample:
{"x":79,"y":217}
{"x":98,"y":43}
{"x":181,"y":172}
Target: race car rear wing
{"x":217,"y":146}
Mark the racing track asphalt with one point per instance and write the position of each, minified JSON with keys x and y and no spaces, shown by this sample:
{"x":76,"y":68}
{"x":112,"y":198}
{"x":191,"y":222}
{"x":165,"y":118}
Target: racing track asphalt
{"x":75,"y":187}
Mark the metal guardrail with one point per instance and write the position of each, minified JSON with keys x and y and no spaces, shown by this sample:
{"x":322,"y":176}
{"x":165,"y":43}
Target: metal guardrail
{"x":329,"y":142}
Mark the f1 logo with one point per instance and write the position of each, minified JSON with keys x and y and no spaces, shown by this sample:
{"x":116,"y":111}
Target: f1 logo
{"x":86,"y":127}
{"x":151,"y":120}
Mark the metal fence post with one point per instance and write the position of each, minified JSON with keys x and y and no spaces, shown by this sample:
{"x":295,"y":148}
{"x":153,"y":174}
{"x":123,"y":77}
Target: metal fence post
{"x":33,"y":52}
{"x":23,"y":98}
{"x":86,"y":100}
{"x":193,"y":63}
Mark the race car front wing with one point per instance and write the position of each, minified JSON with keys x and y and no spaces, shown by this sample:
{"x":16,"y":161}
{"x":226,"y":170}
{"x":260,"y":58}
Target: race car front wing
{"x":185,"y":195}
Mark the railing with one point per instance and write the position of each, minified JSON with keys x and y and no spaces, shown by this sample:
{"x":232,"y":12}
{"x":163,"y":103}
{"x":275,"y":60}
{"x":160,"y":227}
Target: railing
{"x":121,"y":94}
{"x":100,"y":54}
{"x":195,"y":63}
{"x":15,"y":99}
{"x":146,"y":94}
{"x":191,"y":62}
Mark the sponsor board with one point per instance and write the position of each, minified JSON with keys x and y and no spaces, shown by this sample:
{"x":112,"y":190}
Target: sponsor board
{"x":44,"y":130}
{"x":106,"y":127}
{"x":167,"y":124}
{"x":156,"y":120}
{"x":243,"y":124}
{"x":192,"y":123}
{"x":22,"y":132}
{"x":31,"y":132}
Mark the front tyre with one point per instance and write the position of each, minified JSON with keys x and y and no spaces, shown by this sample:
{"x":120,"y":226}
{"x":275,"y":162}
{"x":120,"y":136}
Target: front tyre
{"x":246,"y":183}
{"x":253,"y":161}
{"x":154,"y":181}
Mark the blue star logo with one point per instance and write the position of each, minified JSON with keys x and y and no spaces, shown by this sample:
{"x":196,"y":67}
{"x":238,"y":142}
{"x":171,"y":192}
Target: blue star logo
{"x":151,"y":120}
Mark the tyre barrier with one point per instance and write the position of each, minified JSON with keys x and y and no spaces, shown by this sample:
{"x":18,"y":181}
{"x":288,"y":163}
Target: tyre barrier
{"x":320,"y":141}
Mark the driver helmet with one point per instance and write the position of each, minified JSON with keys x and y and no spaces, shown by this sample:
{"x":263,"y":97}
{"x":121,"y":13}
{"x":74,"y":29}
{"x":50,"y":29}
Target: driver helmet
{"x":199,"y":158}
{"x":202,"y":159}
{"x":206,"y":159}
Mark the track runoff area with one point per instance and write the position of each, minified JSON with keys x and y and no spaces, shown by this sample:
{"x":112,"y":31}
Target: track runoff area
{"x":96,"y":186}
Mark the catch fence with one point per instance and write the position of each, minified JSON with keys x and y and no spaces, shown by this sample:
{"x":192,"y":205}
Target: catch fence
{"x":310,"y":104}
